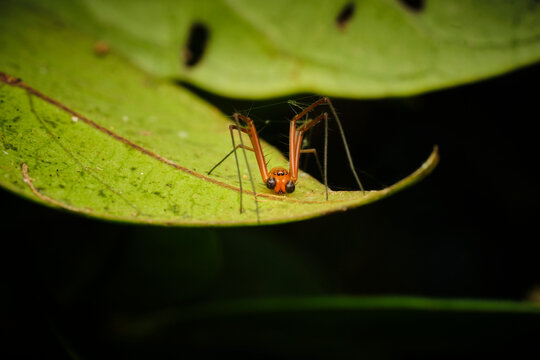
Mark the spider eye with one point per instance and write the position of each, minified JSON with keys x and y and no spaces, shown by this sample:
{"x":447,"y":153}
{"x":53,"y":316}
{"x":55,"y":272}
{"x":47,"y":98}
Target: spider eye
{"x":289,"y":187}
{"x":271,"y":183}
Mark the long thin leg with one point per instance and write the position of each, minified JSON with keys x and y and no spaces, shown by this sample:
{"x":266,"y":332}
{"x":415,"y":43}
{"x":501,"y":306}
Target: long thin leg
{"x":231,"y":128}
{"x":326,"y":156}
{"x":305,"y":161}
{"x":255,"y":142}
{"x":226,"y":156}
{"x":314,"y":152}
{"x":301,"y":114}
{"x":325,"y":175}
{"x":247,"y":164}
{"x":297,"y":142}
{"x":351,"y":165}
{"x":298,"y":135}
{"x":294,"y":142}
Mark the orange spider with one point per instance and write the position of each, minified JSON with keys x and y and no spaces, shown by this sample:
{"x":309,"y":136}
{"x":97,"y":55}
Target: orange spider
{"x":280,"y":179}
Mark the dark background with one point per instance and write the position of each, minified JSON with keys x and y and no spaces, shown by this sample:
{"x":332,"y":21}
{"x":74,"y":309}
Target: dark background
{"x":466,"y":231}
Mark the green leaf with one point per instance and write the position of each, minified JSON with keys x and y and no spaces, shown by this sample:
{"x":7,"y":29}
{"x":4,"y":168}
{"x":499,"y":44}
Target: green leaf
{"x":89,"y":133}
{"x":334,"y":325}
{"x":352,"y":303}
{"x":265,"y":48}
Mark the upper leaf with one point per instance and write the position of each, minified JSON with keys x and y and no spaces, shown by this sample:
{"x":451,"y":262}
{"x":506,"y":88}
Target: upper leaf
{"x":265,"y":48}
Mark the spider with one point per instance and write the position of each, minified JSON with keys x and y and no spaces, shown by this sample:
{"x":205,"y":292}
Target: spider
{"x":280,"y":179}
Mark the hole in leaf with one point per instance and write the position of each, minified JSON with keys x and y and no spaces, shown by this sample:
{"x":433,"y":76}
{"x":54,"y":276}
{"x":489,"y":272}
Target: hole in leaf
{"x":345,"y":15}
{"x":414,"y":5}
{"x":196,"y":44}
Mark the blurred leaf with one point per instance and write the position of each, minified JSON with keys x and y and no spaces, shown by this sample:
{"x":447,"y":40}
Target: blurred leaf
{"x":314,"y":304}
{"x":260,"y":49}
{"x":87,"y":132}
{"x":339,"y":326}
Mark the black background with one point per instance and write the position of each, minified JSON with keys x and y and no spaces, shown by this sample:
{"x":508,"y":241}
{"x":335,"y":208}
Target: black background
{"x":467,"y":231}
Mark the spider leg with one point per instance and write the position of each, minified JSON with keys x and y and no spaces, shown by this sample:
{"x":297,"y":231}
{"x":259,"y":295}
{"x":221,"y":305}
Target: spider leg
{"x":229,"y":154}
{"x":314,"y":152}
{"x":231,"y":128}
{"x":349,"y":157}
{"x":295,"y":141}
{"x":323,"y":174}
{"x":298,"y":143}
{"x":295,"y":138}
{"x":294,"y":144}
{"x":321,"y":101}
{"x":255,"y":142}
{"x":252,"y":134}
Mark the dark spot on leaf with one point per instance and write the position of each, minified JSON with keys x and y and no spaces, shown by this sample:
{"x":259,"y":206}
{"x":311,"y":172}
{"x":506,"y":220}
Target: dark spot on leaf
{"x":133,"y":168}
{"x":16,"y":118}
{"x":9,"y":146}
{"x":157,"y":193}
{"x":414,"y":5}
{"x":101,"y":193}
{"x":345,"y":15}
{"x":196,"y":43}
{"x":61,"y":186}
{"x":174,"y":209}
{"x":101,"y":48}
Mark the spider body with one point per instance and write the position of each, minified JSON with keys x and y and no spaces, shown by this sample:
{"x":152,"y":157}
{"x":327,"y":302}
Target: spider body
{"x":280,"y":181}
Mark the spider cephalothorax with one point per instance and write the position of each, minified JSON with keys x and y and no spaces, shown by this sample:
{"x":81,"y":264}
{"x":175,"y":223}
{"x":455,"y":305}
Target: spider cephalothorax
{"x":280,"y":181}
